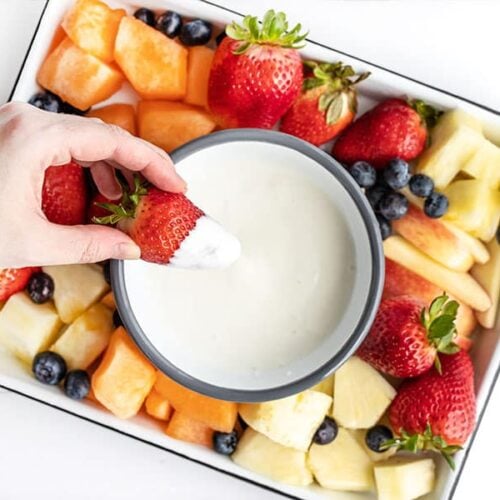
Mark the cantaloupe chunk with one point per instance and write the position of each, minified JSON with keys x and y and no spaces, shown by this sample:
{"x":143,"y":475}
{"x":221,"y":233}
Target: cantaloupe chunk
{"x":172,"y":124}
{"x":58,"y":36}
{"x":199,"y":63}
{"x":218,"y":415}
{"x":122,"y":115}
{"x":124,"y":378}
{"x":109,"y":301}
{"x":93,"y":26}
{"x":157,"y":406}
{"x":185,"y":428}
{"x":155,"y":65}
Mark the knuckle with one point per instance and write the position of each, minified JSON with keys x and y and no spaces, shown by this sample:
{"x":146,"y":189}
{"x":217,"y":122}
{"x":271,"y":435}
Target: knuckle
{"x":90,"y":251}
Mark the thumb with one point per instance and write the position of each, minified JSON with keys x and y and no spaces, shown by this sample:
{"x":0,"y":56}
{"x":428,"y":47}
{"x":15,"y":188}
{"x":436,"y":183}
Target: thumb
{"x":89,"y":243}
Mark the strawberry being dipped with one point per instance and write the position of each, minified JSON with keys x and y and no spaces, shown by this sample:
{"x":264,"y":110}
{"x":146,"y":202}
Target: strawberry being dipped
{"x":256,"y":72}
{"x":64,"y":194}
{"x":14,"y":280}
{"x":437,"y":410}
{"x":393,"y":129}
{"x":171,"y":230}
{"x":327,"y":104}
{"x":405,"y":337}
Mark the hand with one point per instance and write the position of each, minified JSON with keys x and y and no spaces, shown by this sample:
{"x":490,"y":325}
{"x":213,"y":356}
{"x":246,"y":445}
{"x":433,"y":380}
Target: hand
{"x":32,"y":140}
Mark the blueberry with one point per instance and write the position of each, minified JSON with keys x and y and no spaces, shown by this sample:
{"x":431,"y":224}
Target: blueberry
{"x":197,"y":32}
{"x":106,"y":271}
{"x":435,"y":205}
{"x":363,"y":173}
{"x":397,"y":173}
{"x":47,"y":101}
{"x":77,"y":384}
{"x":225,"y":442}
{"x":117,"y":321}
{"x":385,"y":226}
{"x":375,"y":194}
{"x":421,"y":185}
{"x":145,"y":15}
{"x":67,"y":108}
{"x":326,"y":432}
{"x":377,"y":436}
{"x":220,"y":37}
{"x":40,"y":287}
{"x":393,"y":206}
{"x":49,"y":367}
{"x":169,"y":23}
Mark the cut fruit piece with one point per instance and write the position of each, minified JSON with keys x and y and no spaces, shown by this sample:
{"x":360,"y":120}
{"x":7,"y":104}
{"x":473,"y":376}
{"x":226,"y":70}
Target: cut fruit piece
{"x":341,"y":465}
{"x":185,"y":428}
{"x":109,"y":301}
{"x":451,"y":121}
{"x":27,"y":328}
{"x":76,"y":288}
{"x":290,"y":421}
{"x":259,"y":454}
{"x":218,"y":415}
{"x":86,"y":338}
{"x":78,"y":78}
{"x":124,"y":377}
{"x":485,"y":164}
{"x":474,"y":207}
{"x":360,"y":436}
{"x":57,"y":38}
{"x":361,"y":395}
{"x":172,"y":124}
{"x":488,"y":276}
{"x":476,"y":247}
{"x":199,"y":64}
{"x":404,"y":478}
{"x":155,"y":65}
{"x":93,"y":26}
{"x":157,"y":406}
{"x":461,"y":285}
{"x":325,"y":386}
{"x":432,"y":237}
{"x":122,"y":115}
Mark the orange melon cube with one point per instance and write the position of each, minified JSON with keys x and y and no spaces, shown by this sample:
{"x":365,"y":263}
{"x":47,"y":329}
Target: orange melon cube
{"x":155,"y":65}
{"x":57,"y":38}
{"x":93,"y":26}
{"x":124,"y":377}
{"x":77,"y":77}
{"x":216,"y":414}
{"x":122,"y":115}
{"x":185,"y":428}
{"x":199,"y":64}
{"x":157,"y":406}
{"x":172,"y":124}
{"x":109,"y":301}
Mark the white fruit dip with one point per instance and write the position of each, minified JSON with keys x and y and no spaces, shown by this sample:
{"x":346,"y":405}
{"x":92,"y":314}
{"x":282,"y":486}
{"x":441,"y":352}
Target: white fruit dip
{"x":286,"y":294}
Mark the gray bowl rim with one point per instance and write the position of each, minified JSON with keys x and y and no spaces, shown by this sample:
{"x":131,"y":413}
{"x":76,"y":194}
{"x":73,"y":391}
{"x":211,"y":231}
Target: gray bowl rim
{"x":359,"y":332}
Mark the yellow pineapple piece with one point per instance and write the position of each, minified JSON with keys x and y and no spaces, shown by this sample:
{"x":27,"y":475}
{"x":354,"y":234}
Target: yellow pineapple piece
{"x":485,"y":164}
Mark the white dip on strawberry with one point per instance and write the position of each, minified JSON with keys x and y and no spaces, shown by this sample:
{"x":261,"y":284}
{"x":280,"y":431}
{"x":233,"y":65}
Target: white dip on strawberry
{"x":276,"y":308}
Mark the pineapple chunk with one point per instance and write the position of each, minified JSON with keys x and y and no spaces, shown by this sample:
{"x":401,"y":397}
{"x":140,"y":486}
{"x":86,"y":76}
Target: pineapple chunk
{"x":342,"y":464}
{"x":404,"y":478}
{"x":474,"y":207}
{"x":325,"y":386}
{"x":452,"y":121}
{"x":361,"y":395}
{"x":360,"y":435}
{"x":86,"y":338}
{"x":488,"y":276}
{"x":76,"y":288}
{"x":27,"y":328}
{"x":485,"y":164}
{"x":259,"y":454}
{"x":291,"y":421}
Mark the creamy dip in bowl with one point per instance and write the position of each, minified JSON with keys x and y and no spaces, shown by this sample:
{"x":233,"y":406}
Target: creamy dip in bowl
{"x":300,"y":298}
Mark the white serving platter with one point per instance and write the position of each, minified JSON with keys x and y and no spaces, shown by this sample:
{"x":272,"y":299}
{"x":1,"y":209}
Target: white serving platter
{"x":382,"y":83}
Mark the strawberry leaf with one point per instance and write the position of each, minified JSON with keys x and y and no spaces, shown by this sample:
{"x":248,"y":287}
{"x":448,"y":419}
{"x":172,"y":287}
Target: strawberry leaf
{"x":428,"y":113}
{"x":325,"y":100}
{"x":335,"y":109}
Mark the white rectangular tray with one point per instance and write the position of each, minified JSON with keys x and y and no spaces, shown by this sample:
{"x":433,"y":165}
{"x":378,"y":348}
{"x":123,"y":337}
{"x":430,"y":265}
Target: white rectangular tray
{"x":381,"y":84}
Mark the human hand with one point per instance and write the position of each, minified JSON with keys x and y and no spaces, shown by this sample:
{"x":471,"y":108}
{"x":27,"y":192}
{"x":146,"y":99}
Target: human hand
{"x":31,"y":140}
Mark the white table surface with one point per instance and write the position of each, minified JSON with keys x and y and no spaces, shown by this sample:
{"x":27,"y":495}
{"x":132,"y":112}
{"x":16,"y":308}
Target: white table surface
{"x":46,"y":454}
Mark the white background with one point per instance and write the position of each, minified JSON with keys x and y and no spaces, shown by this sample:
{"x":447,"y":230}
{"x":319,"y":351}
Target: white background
{"x":46,"y":454}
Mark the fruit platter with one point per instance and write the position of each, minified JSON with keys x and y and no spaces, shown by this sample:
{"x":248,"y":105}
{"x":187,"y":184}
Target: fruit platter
{"x":394,"y":422}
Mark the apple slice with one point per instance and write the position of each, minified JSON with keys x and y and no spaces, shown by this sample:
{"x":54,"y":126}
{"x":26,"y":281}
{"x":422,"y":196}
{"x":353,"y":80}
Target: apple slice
{"x":461,"y":285}
{"x":476,"y":247}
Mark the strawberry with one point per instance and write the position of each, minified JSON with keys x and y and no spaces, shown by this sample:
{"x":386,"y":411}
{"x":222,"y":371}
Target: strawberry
{"x":256,"y":72}
{"x":436,"y":410}
{"x":14,"y":280}
{"x":405,"y":337}
{"x":64,"y":194}
{"x":95,"y":210}
{"x":392,"y":129}
{"x":327,"y":104}
{"x":170,"y":229}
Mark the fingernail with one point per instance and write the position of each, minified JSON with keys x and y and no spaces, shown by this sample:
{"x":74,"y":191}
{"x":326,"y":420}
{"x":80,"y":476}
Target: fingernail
{"x":128,"y":251}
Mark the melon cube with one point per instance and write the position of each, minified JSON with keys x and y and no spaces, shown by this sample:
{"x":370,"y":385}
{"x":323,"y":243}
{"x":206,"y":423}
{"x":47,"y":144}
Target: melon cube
{"x":199,"y":64}
{"x":119,"y":114}
{"x":77,"y":77}
{"x":172,"y":124}
{"x":185,"y":428}
{"x":155,"y":65}
{"x":27,"y":328}
{"x":93,"y":26}
{"x":157,"y":406}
